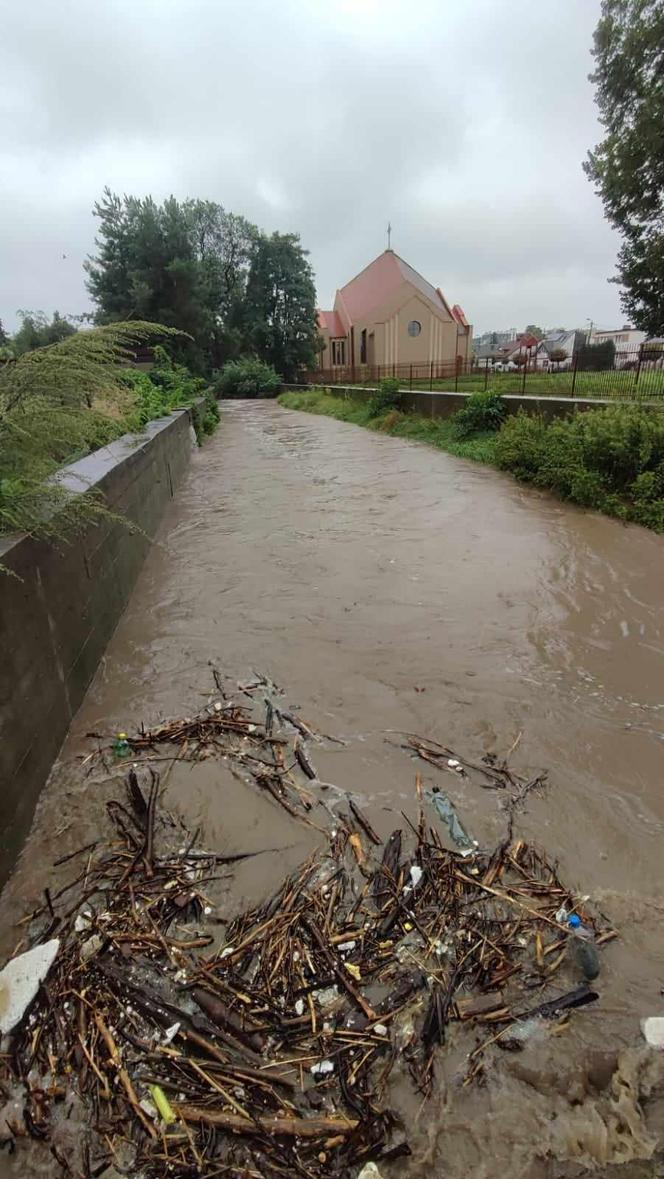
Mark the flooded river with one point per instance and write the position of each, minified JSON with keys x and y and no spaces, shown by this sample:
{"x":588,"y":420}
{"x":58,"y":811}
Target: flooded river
{"x":387,"y":586}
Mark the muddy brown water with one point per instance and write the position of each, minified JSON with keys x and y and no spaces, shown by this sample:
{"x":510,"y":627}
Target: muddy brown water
{"x":387,"y":586}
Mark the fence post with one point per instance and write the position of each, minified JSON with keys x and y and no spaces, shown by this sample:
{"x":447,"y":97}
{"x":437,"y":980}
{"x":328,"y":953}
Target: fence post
{"x":575,"y":366}
{"x":638,"y":366}
{"x":525,"y":371}
{"x":431,"y":378}
{"x":486,"y":376}
{"x":410,"y":378}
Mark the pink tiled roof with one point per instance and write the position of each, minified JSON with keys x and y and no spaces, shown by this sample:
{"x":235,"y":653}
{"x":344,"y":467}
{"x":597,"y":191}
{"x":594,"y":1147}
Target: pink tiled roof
{"x":330,"y":321}
{"x":379,"y":280}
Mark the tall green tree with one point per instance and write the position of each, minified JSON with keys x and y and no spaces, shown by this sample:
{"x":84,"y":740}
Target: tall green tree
{"x":37,"y":331}
{"x":184,"y":264}
{"x":627,"y":167}
{"x":281,"y":304}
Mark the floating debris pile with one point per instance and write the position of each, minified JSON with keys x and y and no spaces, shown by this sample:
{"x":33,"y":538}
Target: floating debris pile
{"x":268,"y":1052}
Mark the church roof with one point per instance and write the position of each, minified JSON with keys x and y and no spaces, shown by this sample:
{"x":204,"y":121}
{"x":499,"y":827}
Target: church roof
{"x":373,"y":285}
{"x":330,"y":321}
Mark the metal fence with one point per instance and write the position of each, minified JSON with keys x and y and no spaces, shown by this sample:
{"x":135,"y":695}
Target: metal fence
{"x":636,"y":374}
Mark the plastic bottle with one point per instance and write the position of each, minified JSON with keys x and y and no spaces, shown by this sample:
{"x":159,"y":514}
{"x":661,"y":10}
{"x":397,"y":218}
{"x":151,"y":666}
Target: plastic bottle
{"x":585,"y":953}
{"x":121,"y":746}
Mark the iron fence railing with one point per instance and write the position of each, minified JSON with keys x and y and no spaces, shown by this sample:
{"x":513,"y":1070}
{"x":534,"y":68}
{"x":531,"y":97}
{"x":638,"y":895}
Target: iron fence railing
{"x":636,"y":374}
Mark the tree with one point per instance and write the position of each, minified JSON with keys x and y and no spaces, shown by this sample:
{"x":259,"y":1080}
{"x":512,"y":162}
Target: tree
{"x":184,"y":264}
{"x":531,"y":329}
{"x":4,"y":338}
{"x":557,"y":356}
{"x":36,"y":331}
{"x":281,"y":304}
{"x":627,"y":167}
{"x":596,"y":357}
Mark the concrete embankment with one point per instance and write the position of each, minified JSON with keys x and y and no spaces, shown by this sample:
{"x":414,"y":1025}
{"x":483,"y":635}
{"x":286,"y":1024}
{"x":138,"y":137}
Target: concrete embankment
{"x":59,"y":606}
{"x":443,"y":404}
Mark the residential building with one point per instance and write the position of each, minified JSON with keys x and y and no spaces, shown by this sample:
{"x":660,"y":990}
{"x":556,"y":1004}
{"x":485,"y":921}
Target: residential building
{"x":511,"y":351}
{"x":556,"y":350}
{"x":389,"y":315}
{"x":626,"y":339}
{"x":493,"y":340}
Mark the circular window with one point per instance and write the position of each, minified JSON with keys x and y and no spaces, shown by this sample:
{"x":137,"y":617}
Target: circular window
{"x":414,"y":328}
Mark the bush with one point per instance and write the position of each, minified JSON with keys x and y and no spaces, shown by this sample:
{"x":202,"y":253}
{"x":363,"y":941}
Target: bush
{"x":387,"y":397}
{"x":391,"y":420}
{"x":611,"y":459}
{"x":520,"y":445}
{"x":482,"y":413}
{"x":166,"y":387}
{"x":247,"y":378}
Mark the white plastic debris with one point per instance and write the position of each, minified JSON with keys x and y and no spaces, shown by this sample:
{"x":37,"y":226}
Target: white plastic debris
{"x":653,"y":1030}
{"x":20,"y":979}
{"x":149,"y":1108}
{"x":218,"y":706}
{"x":83,"y":920}
{"x":380,"y":1029}
{"x":346,"y":947}
{"x":171,"y":1033}
{"x":370,"y":1171}
{"x":405,"y":1032}
{"x":227,"y":952}
{"x":453,"y":763}
{"x":327,"y":996}
{"x":91,"y":946}
{"x":322,"y":1069}
{"x":562,"y":914}
{"x":299,"y":1006}
{"x":415,"y":874}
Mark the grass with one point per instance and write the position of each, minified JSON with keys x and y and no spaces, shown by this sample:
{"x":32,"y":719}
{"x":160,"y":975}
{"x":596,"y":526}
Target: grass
{"x":621,"y":383}
{"x":434,"y":431}
{"x":64,"y":401}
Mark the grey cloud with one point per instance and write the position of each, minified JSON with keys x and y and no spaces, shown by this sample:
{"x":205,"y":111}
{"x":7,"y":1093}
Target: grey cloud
{"x":464,"y":125}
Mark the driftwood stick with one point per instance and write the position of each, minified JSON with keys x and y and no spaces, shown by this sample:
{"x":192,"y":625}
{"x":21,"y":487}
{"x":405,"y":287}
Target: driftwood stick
{"x":318,"y":1127}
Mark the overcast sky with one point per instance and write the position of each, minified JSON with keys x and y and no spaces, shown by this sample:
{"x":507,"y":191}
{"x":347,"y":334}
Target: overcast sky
{"x":464,"y":124}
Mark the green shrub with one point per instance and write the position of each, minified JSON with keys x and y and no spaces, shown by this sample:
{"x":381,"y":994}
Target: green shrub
{"x":611,"y":459}
{"x":166,"y":387}
{"x":482,"y":413}
{"x":391,"y":420}
{"x":58,"y":403}
{"x":387,"y":397}
{"x":520,"y":445}
{"x":247,"y":378}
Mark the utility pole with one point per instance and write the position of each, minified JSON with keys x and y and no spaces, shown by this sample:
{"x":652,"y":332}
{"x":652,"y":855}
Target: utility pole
{"x":389,"y":236}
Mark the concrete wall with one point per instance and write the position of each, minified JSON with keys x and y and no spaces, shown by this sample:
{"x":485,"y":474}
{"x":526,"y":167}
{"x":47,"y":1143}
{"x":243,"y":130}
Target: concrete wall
{"x":443,"y":405}
{"x":59,"y":611}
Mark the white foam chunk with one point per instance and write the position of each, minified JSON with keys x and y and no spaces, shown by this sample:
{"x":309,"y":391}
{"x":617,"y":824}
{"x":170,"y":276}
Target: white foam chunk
{"x":20,"y":979}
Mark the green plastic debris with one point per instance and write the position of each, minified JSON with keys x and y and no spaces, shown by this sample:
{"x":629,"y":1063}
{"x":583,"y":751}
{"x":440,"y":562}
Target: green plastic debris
{"x":445,"y":811}
{"x":121,"y":746}
{"x":163,"y":1105}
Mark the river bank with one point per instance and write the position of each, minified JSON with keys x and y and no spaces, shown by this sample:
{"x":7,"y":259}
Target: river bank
{"x":610,"y":459}
{"x":388,"y":586}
